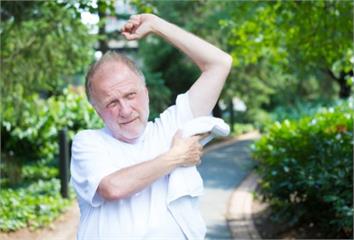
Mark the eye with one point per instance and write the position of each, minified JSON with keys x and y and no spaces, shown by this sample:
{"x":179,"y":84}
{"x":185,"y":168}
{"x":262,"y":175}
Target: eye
{"x":112,"y":104}
{"x":131,"y":95}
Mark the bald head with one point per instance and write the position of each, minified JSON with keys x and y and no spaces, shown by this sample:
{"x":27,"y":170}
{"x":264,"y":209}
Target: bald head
{"x":108,"y":59}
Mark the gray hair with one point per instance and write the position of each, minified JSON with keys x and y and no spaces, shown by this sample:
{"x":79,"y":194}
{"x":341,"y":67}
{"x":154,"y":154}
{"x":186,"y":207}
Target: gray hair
{"x":110,"y":56}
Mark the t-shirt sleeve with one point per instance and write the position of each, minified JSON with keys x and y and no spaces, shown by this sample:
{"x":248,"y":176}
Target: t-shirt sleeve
{"x":89,"y":164}
{"x":174,"y":117}
{"x":178,"y":114}
{"x":183,"y":109}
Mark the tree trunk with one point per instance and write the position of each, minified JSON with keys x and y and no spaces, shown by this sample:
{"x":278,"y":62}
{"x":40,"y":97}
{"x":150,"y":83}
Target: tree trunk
{"x":232,"y":115}
{"x":103,"y":46}
{"x":345,"y":88}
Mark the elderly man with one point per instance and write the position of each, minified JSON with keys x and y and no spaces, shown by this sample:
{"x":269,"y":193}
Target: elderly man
{"x":121,"y":172}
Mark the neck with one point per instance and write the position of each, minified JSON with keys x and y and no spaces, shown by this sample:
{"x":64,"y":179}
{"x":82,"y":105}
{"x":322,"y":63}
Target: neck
{"x":124,"y":139}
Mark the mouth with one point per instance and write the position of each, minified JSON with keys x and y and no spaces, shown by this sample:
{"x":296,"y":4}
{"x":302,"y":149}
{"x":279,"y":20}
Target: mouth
{"x":128,"y":122}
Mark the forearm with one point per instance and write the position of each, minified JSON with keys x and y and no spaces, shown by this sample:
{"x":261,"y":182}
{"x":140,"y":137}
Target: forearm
{"x":205,"y":55}
{"x":127,"y":181}
{"x":214,"y":64}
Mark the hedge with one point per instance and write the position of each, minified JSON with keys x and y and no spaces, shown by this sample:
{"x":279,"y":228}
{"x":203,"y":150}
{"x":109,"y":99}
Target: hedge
{"x":306,"y":167}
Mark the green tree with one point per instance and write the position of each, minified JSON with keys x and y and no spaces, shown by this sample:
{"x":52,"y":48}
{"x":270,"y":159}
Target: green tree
{"x":309,"y":39}
{"x":43,"y":44}
{"x":44,"y":47}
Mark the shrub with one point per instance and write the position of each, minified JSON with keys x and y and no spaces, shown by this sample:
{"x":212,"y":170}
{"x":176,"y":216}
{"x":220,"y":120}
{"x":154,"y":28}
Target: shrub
{"x":306,"y":169}
{"x":34,"y":135}
{"x":299,"y":109}
{"x":241,"y":128}
{"x":34,"y":206}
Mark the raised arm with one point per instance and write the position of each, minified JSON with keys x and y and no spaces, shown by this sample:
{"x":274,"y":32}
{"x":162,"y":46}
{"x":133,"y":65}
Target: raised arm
{"x":214,"y":64}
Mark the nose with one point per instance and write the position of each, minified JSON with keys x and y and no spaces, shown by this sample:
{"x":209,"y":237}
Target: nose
{"x":125,"y":109}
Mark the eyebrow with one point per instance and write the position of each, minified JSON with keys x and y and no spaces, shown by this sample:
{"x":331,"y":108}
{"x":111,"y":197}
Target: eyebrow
{"x":130,"y":92}
{"x":111,"y":99}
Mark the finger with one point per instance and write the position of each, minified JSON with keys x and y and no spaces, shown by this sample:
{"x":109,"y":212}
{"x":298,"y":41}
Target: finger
{"x":129,"y":25}
{"x":203,"y":135}
{"x":135,"y":17}
{"x":198,"y":137}
{"x":135,"y":22}
{"x":130,"y":36}
{"x":126,"y":28}
{"x":176,"y":138}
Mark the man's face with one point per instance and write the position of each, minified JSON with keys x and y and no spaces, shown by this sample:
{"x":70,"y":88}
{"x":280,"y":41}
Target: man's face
{"x":121,"y":99}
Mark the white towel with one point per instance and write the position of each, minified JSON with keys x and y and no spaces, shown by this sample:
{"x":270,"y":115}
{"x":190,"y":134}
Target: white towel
{"x":185,"y":183}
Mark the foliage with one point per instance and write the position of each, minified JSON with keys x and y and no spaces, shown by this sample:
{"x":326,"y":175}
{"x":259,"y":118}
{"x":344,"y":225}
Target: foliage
{"x":307,"y":39}
{"x":39,"y":171}
{"x":283,"y":51}
{"x":306,"y":169}
{"x":177,"y":72}
{"x":34,"y":135}
{"x":43,"y":44}
{"x":299,"y":109}
{"x":34,"y":206}
{"x":159,"y":94}
{"x":30,"y":195}
{"x":240,"y":128}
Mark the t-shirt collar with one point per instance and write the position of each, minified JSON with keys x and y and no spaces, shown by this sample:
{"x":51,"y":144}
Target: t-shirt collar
{"x":139,"y":140}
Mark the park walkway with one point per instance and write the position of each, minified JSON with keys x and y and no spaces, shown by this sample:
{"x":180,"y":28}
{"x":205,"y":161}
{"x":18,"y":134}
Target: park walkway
{"x":223,"y":169}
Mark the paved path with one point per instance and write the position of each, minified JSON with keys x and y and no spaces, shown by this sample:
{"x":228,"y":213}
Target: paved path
{"x":223,"y":169}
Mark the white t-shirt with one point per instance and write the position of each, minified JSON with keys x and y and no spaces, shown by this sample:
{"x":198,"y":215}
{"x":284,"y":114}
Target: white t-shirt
{"x":96,"y":154}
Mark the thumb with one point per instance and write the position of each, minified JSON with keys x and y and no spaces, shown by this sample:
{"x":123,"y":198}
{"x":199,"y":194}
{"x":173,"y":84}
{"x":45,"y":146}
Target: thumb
{"x":177,"y":137}
{"x":178,"y":134}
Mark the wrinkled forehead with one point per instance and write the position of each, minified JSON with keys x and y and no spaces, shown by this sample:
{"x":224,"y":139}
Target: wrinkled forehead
{"x":113,"y":74}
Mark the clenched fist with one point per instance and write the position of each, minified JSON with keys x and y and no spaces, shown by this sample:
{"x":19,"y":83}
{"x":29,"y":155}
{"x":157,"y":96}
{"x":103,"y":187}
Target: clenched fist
{"x":138,"y":26}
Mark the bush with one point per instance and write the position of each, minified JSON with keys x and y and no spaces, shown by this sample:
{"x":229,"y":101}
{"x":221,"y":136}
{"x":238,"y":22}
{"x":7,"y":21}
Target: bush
{"x":241,"y":128}
{"x":299,"y":109}
{"x":29,"y":155}
{"x":306,"y":169}
{"x":34,"y":135}
{"x":34,"y":206}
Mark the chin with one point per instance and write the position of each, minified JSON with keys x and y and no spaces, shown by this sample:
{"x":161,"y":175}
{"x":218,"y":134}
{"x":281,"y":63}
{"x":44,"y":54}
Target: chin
{"x":131,"y":136}
{"x":129,"y":139}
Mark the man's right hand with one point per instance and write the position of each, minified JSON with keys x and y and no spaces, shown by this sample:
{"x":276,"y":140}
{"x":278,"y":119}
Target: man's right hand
{"x":186,"y":151}
{"x":138,"y":26}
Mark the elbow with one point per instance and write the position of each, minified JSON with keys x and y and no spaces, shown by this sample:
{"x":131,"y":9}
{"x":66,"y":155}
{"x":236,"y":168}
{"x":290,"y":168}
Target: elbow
{"x":227,"y":62}
{"x":108,"y":191}
{"x":223,"y":64}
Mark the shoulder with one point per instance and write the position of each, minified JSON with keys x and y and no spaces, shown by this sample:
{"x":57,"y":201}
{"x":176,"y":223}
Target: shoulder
{"x":87,"y":134}
{"x":88,"y":137}
{"x":88,"y":144}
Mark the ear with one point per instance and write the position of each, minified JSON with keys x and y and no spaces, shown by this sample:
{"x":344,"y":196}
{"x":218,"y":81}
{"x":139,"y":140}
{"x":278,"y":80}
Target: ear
{"x":146,"y":91}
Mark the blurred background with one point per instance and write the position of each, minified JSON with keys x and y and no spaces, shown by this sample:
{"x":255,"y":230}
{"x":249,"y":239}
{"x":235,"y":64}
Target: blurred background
{"x":291,"y":80}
